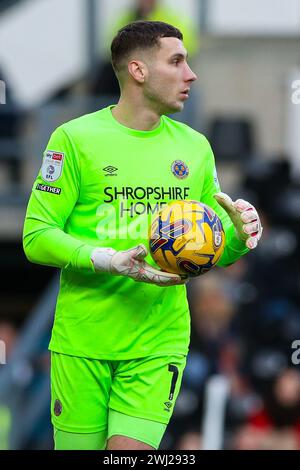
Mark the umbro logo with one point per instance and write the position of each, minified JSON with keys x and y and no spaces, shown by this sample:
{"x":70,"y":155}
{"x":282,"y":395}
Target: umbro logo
{"x":110,"y":170}
{"x":168,"y":405}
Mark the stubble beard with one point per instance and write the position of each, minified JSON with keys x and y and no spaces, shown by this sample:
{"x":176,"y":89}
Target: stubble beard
{"x":162,"y":106}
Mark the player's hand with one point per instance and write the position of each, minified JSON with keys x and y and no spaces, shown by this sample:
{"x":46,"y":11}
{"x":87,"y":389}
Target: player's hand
{"x":244,"y":217}
{"x":131,"y":263}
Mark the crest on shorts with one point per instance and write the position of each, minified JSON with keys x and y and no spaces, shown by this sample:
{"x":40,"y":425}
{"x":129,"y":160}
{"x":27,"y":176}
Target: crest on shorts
{"x":52,"y":165}
{"x":57,"y":407}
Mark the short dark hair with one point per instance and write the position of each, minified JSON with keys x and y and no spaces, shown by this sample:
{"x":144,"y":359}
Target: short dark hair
{"x":140,"y":35}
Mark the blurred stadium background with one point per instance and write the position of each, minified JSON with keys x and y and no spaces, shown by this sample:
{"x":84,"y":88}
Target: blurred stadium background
{"x":241,"y":387}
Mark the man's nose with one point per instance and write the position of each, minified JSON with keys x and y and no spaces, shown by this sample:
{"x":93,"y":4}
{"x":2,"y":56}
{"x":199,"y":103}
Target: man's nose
{"x":190,"y":75}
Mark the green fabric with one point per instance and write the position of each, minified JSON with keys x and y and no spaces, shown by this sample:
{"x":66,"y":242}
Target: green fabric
{"x":100,"y":315}
{"x":5,"y":427}
{"x":73,"y":441}
{"x":144,"y":430}
{"x":84,"y":391}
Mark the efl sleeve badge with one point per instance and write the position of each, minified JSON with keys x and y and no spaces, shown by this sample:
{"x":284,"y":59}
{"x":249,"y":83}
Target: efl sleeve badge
{"x":52,"y":165}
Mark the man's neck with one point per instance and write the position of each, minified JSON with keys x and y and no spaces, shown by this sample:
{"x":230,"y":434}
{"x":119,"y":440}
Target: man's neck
{"x":135,"y":116}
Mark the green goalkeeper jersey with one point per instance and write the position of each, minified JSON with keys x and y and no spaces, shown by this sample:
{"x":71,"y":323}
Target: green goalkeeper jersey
{"x":99,"y":184}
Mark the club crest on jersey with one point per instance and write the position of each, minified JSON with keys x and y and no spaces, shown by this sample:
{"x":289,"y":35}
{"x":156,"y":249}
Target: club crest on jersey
{"x":180,"y":169}
{"x":52,"y":165}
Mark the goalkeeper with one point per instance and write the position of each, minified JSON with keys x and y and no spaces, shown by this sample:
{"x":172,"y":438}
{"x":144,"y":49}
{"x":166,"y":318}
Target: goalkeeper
{"x":122,"y":327}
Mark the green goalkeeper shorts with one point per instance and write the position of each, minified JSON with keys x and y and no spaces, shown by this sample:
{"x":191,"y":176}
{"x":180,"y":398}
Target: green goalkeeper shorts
{"x":85,"y":393}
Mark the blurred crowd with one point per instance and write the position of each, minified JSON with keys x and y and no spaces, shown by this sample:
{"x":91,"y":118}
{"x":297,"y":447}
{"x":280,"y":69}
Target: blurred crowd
{"x":245,"y":318}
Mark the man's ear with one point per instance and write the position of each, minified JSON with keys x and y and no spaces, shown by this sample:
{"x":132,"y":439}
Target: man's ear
{"x":138,"y":70}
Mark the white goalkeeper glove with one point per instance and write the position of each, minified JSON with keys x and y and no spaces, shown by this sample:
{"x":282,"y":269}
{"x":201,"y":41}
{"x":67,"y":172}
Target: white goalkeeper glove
{"x":131,"y":263}
{"x":244,"y":217}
